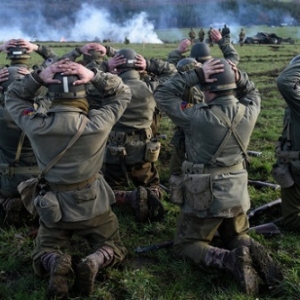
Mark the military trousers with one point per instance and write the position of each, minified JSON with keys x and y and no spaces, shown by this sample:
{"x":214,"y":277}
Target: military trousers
{"x":98,"y":232}
{"x":194,"y":235}
{"x":290,"y":198}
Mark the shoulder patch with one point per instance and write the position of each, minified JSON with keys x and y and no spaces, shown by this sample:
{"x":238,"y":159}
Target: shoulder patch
{"x":185,"y":105}
{"x":28,"y":112}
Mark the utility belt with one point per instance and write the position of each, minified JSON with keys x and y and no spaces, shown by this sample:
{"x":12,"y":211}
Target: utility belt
{"x":121,"y":137}
{"x":8,"y":170}
{"x":57,"y":187}
{"x":191,"y":168}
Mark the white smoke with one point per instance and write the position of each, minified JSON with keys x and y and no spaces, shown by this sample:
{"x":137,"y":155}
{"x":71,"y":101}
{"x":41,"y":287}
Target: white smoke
{"x":91,"y":24}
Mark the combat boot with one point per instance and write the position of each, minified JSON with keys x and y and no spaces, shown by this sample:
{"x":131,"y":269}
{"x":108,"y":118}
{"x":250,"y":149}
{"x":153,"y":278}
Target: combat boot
{"x":59,"y":267}
{"x":13,"y":208}
{"x":145,"y":204}
{"x":266,"y":267}
{"x":239,"y":263}
{"x":89,"y":267}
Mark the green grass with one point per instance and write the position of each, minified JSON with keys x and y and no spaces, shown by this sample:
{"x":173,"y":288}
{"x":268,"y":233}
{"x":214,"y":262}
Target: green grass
{"x":161,"y":275}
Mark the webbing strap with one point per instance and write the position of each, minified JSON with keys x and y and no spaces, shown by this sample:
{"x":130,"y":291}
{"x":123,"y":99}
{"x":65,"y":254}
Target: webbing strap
{"x":231,"y":129}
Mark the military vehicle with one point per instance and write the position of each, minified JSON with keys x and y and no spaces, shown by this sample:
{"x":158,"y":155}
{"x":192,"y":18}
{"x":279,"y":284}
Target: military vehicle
{"x":267,"y":38}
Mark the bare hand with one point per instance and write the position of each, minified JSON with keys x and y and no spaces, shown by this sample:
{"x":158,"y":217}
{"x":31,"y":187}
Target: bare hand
{"x":210,"y":67}
{"x":93,"y":46}
{"x":30,"y":47}
{"x":114,"y":62}
{"x":9,"y":44}
{"x":235,"y":69}
{"x":4,"y":74}
{"x":23,"y":71}
{"x":184,"y":46}
{"x":215,"y":35}
{"x":67,"y":67}
{"x":140,"y":62}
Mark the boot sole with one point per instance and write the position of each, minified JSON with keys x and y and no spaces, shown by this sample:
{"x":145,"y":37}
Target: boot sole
{"x":85,"y":277}
{"x":247,"y":276}
{"x":58,"y":284}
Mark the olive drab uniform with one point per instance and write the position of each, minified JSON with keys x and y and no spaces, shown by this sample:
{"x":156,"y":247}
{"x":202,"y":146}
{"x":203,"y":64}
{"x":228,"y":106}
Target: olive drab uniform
{"x":242,"y":37}
{"x":215,"y":174}
{"x":191,"y":97}
{"x":209,"y":38}
{"x":192,"y":35}
{"x":225,"y":31}
{"x":17,"y":160}
{"x":287,"y":168}
{"x":201,"y":35}
{"x":131,"y":150}
{"x":81,"y":197}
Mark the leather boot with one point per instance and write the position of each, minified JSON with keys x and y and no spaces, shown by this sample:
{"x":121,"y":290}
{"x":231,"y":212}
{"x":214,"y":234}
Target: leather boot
{"x":145,"y":204}
{"x":266,"y":267}
{"x":89,"y":267}
{"x":239,"y":263}
{"x":59,"y":266}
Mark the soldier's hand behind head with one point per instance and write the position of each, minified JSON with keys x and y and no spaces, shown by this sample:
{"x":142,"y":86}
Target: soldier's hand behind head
{"x":4,"y":74}
{"x":235,"y":69}
{"x":184,"y":46}
{"x":114,"y":62}
{"x":211,"y":67}
{"x":93,"y":46}
{"x":140,"y":62}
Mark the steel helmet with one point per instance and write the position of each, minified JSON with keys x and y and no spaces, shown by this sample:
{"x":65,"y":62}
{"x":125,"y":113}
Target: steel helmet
{"x":130,"y":56}
{"x":13,"y":75}
{"x":201,"y":52}
{"x":66,"y":89}
{"x":225,"y":80}
{"x":296,"y":59}
{"x":186,"y":64}
{"x":17,"y":53}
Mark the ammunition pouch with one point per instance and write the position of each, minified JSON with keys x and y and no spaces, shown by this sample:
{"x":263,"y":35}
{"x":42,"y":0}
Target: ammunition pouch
{"x":176,"y":183}
{"x":132,"y":147}
{"x":281,"y":172}
{"x":48,"y":208}
{"x":198,"y":191}
{"x":198,"y":182}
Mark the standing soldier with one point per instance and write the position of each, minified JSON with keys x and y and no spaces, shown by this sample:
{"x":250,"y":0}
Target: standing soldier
{"x":192,"y":35}
{"x":210,"y":41}
{"x":201,"y":35}
{"x":225,"y":31}
{"x":242,"y":37}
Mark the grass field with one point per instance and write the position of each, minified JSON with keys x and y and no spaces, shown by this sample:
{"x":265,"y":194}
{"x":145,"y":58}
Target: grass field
{"x":159,"y":275}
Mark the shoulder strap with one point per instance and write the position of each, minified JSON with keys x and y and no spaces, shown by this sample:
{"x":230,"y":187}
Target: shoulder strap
{"x":231,"y":129}
{"x":71,"y":142}
{"x":19,"y":148}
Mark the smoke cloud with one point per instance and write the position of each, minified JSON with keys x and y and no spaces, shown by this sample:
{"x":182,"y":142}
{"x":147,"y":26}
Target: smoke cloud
{"x":88,"y":24}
